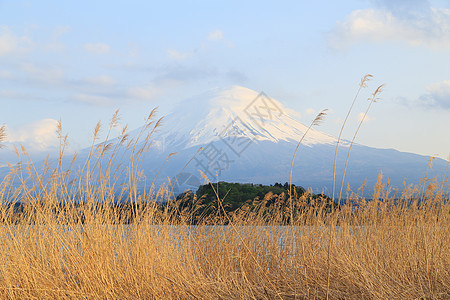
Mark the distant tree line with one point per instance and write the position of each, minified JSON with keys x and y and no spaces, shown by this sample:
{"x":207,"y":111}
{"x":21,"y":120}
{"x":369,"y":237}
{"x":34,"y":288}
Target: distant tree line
{"x":214,"y":203}
{"x":211,"y":201}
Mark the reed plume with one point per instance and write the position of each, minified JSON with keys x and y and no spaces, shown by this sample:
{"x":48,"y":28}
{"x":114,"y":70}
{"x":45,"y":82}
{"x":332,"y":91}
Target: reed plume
{"x":362,"y":84}
{"x":2,"y":135}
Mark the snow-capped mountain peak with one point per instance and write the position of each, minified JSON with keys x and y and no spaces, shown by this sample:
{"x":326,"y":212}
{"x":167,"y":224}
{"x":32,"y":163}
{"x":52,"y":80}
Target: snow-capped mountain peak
{"x":236,"y":112}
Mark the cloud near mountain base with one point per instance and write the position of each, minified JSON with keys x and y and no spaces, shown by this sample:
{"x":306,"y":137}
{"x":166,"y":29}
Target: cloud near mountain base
{"x":36,"y":136}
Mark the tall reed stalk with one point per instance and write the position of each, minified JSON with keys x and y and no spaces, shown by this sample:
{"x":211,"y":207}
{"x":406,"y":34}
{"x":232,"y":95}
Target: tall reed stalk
{"x":362,"y":85}
{"x":316,"y":122}
{"x":372,"y":100}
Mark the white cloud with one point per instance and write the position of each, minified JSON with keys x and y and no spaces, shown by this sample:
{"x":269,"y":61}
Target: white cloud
{"x":176,"y":55}
{"x":103,"y":80}
{"x":367,"y":118}
{"x":11,"y":43}
{"x":97,"y":48}
{"x":10,"y":94}
{"x":8,"y":43}
{"x":55,"y":44}
{"x":145,"y":93}
{"x":92,"y":99}
{"x":60,"y":30}
{"x":440,"y":89}
{"x":133,"y":52}
{"x":36,"y":136}
{"x":438,"y":95}
{"x":215,"y":35}
{"x":428,"y":27}
{"x":5,"y":74}
{"x":47,"y":74}
{"x":310,"y":111}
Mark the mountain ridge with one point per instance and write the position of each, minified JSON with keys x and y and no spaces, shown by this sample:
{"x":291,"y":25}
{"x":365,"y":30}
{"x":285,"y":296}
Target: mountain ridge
{"x":241,"y":144}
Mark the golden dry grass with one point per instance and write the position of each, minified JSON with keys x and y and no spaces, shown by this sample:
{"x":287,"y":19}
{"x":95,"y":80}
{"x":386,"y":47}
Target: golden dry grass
{"x":68,"y":240}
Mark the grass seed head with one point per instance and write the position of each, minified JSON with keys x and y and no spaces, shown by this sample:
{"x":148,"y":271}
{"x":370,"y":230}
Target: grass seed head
{"x":319,"y":118}
{"x":115,"y":120}
{"x":2,"y":135}
{"x":364,"y":80}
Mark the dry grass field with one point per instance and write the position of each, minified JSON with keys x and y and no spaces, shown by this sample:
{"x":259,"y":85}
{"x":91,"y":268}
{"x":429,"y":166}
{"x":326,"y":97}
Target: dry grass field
{"x":68,"y":239}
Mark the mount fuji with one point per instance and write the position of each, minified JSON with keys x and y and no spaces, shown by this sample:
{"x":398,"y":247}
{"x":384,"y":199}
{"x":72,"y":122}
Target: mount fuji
{"x":239,"y":135}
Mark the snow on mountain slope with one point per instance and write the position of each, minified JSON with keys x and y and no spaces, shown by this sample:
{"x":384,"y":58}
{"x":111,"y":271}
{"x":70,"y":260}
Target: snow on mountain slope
{"x":238,"y":112}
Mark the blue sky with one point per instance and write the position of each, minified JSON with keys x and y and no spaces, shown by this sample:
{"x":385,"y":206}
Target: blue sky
{"x":79,"y":61}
